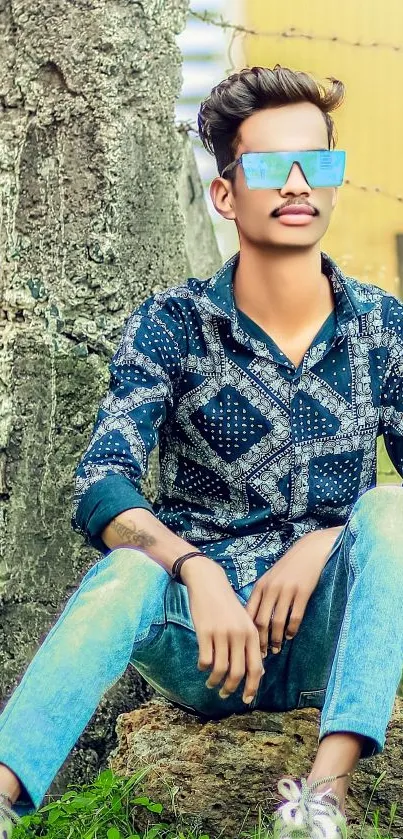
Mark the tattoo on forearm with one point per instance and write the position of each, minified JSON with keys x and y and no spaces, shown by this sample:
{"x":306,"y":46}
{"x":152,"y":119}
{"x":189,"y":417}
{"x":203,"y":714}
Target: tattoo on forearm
{"x":132,"y":535}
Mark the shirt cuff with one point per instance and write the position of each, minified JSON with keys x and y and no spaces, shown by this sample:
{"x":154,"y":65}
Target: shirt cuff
{"x":102,"y":502}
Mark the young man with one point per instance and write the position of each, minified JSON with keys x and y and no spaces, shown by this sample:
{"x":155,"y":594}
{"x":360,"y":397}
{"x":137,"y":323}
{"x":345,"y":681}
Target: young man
{"x":266,"y":387}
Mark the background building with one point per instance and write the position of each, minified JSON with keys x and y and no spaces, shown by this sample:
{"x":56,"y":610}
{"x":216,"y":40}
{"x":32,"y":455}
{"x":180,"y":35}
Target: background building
{"x":362,"y":44}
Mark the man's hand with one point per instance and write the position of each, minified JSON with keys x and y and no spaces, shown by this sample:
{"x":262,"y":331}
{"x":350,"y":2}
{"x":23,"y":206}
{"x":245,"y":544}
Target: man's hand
{"x":287,"y":587}
{"x":228,"y":640}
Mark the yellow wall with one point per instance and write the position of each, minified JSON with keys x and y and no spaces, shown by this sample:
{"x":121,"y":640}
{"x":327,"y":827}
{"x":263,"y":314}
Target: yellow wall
{"x":362,"y":233}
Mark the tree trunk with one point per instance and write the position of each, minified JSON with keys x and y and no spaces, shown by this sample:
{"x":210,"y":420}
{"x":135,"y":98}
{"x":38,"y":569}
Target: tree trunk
{"x":94,"y":191}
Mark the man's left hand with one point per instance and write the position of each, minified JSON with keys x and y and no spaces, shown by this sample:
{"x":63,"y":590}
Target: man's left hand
{"x":287,"y":586}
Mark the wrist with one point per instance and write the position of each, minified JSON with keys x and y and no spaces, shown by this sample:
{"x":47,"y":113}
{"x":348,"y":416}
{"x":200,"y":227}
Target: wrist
{"x":196,"y":566}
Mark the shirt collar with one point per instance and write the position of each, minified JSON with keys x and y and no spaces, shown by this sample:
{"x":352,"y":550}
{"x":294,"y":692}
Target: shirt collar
{"x":349,"y":303}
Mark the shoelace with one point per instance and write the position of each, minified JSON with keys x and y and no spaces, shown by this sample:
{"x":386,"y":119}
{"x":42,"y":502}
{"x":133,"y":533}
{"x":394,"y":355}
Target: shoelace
{"x":305,"y":807}
{"x":6,"y":808}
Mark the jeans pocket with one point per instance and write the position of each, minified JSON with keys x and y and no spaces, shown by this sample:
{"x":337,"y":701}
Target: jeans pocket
{"x":312,"y":698}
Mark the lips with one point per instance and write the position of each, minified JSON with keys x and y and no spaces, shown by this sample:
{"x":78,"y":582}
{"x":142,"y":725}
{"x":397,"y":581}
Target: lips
{"x":295,"y":209}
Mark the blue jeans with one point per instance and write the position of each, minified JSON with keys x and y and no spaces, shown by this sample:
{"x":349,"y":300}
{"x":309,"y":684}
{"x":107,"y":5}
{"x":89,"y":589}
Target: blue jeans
{"x":346,"y":658}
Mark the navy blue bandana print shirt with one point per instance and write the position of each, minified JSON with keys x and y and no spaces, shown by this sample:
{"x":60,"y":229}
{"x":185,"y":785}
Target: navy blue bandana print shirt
{"x":254,"y":453}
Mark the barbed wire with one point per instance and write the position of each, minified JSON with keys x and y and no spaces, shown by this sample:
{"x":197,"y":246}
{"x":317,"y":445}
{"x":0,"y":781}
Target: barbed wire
{"x":291,"y":32}
{"x":375,"y":189}
{"x":237,"y":30}
{"x":191,"y":128}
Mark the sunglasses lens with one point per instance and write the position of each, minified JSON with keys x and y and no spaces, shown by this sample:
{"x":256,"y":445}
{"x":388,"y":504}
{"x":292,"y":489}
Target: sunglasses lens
{"x":270,"y":170}
{"x":325,"y":168}
{"x":265,"y":170}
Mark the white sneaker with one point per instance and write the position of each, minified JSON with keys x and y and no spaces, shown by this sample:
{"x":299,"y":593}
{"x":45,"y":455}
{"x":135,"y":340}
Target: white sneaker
{"x":7,"y":817}
{"x":308,"y":814}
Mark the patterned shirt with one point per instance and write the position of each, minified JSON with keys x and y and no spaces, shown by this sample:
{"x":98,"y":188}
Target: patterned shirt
{"x":254,"y":452}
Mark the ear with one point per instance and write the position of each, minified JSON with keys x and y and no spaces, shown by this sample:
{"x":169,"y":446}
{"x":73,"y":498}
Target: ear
{"x":222,"y":197}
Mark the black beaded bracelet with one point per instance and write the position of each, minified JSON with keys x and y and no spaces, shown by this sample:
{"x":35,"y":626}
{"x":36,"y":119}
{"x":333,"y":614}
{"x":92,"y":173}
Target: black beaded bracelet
{"x":176,"y":568}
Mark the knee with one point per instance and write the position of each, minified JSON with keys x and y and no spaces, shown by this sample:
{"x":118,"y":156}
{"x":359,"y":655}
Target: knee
{"x":132,"y":564}
{"x":381,"y":509}
{"x":381,"y":498}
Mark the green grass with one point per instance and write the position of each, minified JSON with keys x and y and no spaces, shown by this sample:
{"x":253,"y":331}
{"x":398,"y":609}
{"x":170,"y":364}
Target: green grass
{"x":109,"y":807}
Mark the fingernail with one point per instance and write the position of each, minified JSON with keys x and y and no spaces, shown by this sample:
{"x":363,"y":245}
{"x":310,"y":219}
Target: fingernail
{"x":248,"y":699}
{"x":264,"y":653}
{"x":223,"y":694}
{"x":275,"y":650}
{"x":210,"y":687}
{"x":288,"y":637}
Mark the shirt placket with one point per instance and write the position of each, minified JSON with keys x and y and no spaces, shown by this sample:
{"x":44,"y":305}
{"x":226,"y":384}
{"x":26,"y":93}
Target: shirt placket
{"x":299,"y":477}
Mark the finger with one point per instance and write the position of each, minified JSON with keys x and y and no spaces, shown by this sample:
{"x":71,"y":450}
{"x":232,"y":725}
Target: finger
{"x":205,"y":660}
{"x":253,"y":603}
{"x":237,"y":666}
{"x":262,"y":620}
{"x":221,"y":662}
{"x":278,"y":622}
{"x":297,"y":614}
{"x":254,"y":668}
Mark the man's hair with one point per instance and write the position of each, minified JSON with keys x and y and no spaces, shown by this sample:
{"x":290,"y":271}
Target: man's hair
{"x":253,"y":89}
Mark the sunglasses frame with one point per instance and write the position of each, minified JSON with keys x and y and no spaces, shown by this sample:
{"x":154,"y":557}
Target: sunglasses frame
{"x":340,"y":157}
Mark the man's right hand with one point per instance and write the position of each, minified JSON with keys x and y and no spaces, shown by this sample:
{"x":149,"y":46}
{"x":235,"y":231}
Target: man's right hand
{"x":227,"y":637}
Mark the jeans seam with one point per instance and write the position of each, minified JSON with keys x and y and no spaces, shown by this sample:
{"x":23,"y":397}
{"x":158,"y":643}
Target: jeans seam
{"x":175,"y":618}
{"x":344,"y":630}
{"x":163,"y":622}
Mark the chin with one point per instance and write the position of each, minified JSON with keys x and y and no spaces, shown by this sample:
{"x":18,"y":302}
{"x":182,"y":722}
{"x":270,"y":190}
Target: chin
{"x":293,"y":241}
{"x":286,"y":237}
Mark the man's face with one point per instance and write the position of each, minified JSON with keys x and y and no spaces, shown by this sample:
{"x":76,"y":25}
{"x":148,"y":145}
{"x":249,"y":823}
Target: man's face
{"x":298,"y":127}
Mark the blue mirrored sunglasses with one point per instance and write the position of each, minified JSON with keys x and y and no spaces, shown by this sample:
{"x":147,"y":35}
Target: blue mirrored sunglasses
{"x":270,"y":170}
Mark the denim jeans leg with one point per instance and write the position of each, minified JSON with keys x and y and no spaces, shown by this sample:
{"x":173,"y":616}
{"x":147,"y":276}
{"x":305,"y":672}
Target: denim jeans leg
{"x":367,"y":666}
{"x":347,"y":656}
{"x":119,"y":601}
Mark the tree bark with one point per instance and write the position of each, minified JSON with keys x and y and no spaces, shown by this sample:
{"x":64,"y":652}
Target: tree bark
{"x":94,"y":201}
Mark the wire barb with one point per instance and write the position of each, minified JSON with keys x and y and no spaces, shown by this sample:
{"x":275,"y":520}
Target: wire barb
{"x":291,"y":32}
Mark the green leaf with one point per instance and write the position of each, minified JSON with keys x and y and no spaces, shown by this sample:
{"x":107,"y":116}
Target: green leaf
{"x":54,"y":815}
{"x":113,"y":833}
{"x":154,"y":831}
{"x":105,"y":777}
{"x":155,"y":808}
{"x":141,"y":799}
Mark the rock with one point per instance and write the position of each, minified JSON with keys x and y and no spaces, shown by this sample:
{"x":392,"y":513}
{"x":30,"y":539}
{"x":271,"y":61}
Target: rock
{"x":224,"y":771}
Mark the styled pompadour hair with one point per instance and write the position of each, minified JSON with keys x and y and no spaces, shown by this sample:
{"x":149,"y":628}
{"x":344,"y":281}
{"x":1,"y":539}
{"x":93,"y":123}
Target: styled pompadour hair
{"x":253,"y":89}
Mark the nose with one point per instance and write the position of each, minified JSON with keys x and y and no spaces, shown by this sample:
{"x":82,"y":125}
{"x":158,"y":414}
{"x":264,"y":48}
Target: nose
{"x":296,"y":183}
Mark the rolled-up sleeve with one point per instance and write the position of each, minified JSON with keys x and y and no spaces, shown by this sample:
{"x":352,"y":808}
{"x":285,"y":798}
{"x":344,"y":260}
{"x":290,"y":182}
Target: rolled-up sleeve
{"x":107,"y":479}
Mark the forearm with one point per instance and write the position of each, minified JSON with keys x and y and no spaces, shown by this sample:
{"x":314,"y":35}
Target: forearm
{"x":334,"y":532}
{"x":138,"y":528}
{"x":328,"y":537}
